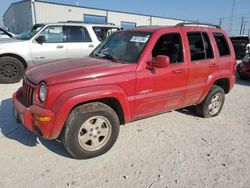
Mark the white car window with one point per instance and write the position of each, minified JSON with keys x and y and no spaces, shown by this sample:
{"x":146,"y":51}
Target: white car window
{"x":53,"y":34}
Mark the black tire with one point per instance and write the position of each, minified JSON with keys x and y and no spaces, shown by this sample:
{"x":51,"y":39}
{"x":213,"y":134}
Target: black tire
{"x":204,"y":109}
{"x":74,"y":130}
{"x":11,"y":70}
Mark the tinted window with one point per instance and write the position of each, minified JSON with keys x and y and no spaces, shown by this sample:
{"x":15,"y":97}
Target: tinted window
{"x":95,"y":19}
{"x":221,"y":44}
{"x":128,"y":25}
{"x":208,"y":47}
{"x":77,"y":34}
{"x":200,"y":46}
{"x":54,"y":34}
{"x":103,"y":32}
{"x":171,"y":46}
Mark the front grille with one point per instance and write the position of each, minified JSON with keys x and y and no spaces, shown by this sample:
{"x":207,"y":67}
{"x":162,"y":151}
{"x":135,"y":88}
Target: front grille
{"x":28,"y":92}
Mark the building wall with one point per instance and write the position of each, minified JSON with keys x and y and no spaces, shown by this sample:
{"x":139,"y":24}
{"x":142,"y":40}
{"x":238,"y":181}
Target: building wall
{"x":117,"y":18}
{"x":19,"y":17}
{"x":22,"y":15}
{"x":164,"y":21}
{"x":8,"y":19}
{"x":47,"y":13}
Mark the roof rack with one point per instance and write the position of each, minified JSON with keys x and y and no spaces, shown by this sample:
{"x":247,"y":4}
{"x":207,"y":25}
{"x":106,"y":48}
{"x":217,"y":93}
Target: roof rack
{"x":198,"y":24}
{"x":75,"y":21}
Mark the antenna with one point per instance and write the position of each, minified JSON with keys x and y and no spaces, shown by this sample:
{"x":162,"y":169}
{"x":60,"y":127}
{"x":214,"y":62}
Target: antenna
{"x":231,"y":18}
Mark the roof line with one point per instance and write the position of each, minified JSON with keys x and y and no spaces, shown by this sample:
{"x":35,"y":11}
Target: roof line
{"x":139,"y":14}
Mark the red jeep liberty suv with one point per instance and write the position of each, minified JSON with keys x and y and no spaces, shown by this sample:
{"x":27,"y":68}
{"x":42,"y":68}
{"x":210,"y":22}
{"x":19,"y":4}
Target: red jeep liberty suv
{"x":131,"y":75}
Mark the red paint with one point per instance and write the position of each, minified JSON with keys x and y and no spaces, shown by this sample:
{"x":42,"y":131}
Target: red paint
{"x":141,"y":91}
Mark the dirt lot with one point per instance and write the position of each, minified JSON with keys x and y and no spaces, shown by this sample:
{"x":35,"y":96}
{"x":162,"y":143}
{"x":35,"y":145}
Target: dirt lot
{"x":175,"y":149}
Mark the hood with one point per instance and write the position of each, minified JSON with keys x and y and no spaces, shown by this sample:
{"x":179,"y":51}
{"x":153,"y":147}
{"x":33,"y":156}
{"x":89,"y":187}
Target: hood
{"x":67,"y":70}
{"x":10,"y":44}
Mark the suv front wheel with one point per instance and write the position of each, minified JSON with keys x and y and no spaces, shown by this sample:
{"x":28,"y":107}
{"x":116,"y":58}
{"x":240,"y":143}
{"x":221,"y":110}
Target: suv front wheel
{"x":213,"y":103}
{"x":90,"y":130}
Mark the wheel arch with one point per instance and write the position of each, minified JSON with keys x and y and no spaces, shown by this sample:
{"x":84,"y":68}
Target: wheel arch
{"x":112,"y":102}
{"x":21,"y":59}
{"x":113,"y":96}
{"x":224,"y":83}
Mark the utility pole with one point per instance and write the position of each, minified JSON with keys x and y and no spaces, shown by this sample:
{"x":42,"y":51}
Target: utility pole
{"x":231,"y":18}
{"x":245,"y":22}
{"x":220,"y":21}
{"x":242,"y":21}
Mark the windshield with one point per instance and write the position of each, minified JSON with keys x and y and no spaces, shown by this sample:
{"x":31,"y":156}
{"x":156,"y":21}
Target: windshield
{"x":26,"y":35}
{"x":124,"y":46}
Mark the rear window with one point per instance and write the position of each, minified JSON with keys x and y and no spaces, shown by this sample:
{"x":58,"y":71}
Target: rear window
{"x":222,"y":44}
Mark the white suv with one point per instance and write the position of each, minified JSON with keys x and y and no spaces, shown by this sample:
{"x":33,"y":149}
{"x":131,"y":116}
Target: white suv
{"x":46,"y":42}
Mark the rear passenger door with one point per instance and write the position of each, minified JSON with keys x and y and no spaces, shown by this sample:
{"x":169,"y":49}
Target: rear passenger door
{"x":79,"y":42}
{"x":201,"y":64}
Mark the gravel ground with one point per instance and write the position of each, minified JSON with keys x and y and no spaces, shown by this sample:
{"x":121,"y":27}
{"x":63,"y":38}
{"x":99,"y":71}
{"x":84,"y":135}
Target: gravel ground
{"x":175,"y":149}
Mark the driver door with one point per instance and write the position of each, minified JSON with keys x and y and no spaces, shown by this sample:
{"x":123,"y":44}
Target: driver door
{"x":53,"y":48}
{"x":162,"y":89}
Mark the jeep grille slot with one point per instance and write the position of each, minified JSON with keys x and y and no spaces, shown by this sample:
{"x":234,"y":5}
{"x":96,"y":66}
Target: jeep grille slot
{"x":28,"y":93}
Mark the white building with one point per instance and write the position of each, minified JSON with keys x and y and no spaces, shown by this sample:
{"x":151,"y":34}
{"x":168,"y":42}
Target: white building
{"x":22,"y":15}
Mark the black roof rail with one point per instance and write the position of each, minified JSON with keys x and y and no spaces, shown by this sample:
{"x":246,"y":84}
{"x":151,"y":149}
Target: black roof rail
{"x":198,"y":24}
{"x":75,"y":21}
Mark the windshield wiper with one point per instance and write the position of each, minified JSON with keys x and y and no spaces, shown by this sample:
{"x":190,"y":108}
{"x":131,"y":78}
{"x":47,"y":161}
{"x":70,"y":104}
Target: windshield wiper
{"x":104,"y":56}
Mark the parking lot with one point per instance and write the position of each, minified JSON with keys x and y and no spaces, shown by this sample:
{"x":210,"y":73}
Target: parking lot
{"x":175,"y":149}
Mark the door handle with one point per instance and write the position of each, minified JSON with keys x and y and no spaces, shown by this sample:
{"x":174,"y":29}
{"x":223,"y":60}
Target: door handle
{"x":179,"y":71}
{"x":59,"y":47}
{"x":91,"y":46}
{"x":212,"y":65}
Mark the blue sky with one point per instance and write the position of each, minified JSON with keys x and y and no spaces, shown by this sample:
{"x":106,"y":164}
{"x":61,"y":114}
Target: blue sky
{"x":202,"y":10}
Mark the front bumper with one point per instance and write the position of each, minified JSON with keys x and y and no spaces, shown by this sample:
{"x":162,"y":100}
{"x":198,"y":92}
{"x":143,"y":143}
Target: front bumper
{"x":26,"y":115}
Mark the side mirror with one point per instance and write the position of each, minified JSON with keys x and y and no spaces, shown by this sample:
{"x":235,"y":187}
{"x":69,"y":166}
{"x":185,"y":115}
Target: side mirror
{"x":161,"y":61}
{"x":41,"y":39}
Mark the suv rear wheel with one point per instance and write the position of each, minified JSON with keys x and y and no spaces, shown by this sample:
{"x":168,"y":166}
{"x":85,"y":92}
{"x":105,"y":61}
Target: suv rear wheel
{"x":11,"y":70}
{"x":90,"y":130}
{"x":213,"y":103}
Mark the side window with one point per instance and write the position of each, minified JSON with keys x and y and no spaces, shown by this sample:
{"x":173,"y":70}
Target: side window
{"x":208,"y":47}
{"x":222,"y":44}
{"x":77,"y":34}
{"x":128,"y":25}
{"x":196,"y":46}
{"x":54,"y":34}
{"x":171,"y":46}
{"x":200,"y":46}
{"x":103,"y":32}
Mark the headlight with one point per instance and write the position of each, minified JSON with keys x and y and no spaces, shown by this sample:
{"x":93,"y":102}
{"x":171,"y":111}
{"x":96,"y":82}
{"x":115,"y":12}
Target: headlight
{"x":42,"y":92}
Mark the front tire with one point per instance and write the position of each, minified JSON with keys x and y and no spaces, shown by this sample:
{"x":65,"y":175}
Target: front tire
{"x":213,"y":103}
{"x":90,"y":130}
{"x":11,"y":70}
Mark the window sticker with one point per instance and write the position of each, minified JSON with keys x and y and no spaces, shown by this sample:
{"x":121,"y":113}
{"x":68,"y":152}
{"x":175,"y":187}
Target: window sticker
{"x":139,"y":39}
{"x":55,"y":31}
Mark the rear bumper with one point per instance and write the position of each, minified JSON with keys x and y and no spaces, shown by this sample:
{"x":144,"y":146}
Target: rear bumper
{"x":26,"y":116}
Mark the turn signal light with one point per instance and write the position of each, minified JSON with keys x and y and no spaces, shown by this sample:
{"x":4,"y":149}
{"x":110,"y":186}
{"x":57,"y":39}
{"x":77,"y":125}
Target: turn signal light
{"x":43,"y":118}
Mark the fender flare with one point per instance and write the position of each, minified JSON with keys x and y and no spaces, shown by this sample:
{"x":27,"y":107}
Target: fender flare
{"x":212,"y":79}
{"x":72,"y":98}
